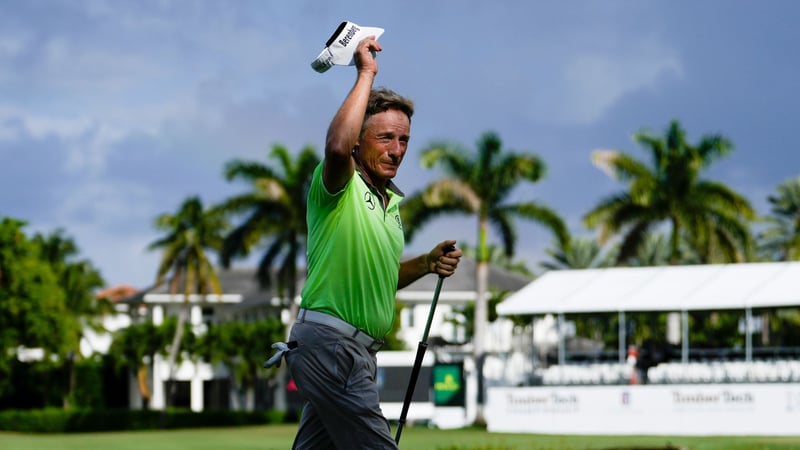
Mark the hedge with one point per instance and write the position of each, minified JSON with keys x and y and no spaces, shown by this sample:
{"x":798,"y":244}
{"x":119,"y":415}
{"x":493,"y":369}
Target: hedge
{"x":62,"y":421}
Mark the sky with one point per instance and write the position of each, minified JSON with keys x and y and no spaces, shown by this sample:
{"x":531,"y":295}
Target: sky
{"x":114,"y":112}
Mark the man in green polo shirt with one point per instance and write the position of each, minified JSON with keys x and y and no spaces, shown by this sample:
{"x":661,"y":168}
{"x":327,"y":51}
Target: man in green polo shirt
{"x":355,"y":242}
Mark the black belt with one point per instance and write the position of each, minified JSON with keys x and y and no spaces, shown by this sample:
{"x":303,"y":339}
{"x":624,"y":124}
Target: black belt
{"x":372,"y":344}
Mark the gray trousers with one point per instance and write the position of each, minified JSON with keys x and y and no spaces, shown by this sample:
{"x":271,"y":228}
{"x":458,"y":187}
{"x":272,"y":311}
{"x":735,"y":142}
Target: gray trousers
{"x":337,"y":378}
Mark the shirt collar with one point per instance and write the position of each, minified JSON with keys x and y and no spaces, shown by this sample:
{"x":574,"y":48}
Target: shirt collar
{"x":389,"y":184}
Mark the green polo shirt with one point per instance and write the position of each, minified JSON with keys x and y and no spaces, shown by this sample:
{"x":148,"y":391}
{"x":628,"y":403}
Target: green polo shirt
{"x":354,"y":250}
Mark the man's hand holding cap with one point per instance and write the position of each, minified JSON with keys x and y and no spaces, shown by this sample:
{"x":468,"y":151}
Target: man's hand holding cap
{"x":342,"y":44}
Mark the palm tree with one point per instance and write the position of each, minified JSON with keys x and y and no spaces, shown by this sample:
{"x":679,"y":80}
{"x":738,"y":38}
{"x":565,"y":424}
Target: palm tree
{"x":781,"y":240}
{"x":655,"y":251}
{"x":581,"y":253}
{"x":479,"y":183}
{"x":276,"y":209}
{"x":190,"y":233}
{"x":709,"y":215}
{"x":79,"y":279}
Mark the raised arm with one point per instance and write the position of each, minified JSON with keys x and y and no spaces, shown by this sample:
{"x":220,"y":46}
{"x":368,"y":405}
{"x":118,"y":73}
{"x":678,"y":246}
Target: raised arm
{"x":345,"y":128}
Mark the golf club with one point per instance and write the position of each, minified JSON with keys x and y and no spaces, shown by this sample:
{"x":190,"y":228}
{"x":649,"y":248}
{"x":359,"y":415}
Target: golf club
{"x":423,"y":345}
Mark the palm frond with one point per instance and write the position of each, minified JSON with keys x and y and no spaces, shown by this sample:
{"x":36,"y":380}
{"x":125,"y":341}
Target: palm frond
{"x":247,"y":170}
{"x":544,"y":216}
{"x":632,"y":241}
{"x":501,"y":220}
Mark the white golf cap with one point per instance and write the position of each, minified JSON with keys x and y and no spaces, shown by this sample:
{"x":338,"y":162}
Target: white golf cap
{"x":342,"y":44}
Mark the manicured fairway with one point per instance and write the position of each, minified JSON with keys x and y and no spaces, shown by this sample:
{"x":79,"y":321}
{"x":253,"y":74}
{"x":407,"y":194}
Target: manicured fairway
{"x":280,"y":437}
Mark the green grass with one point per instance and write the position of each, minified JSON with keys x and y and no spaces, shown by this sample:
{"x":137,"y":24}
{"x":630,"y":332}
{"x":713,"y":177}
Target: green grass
{"x":280,"y":437}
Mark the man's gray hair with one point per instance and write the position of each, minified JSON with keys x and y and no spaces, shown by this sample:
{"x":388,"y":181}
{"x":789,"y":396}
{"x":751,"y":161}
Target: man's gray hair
{"x":382,"y":99}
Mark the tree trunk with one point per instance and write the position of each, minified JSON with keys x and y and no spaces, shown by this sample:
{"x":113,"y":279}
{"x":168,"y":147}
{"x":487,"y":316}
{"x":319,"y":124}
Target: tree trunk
{"x":674,"y":243}
{"x":142,"y":375}
{"x":70,"y":388}
{"x":481,"y":313}
{"x":174,"y":348}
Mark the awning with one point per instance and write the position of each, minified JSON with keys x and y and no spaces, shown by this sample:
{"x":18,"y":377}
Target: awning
{"x":661,"y":288}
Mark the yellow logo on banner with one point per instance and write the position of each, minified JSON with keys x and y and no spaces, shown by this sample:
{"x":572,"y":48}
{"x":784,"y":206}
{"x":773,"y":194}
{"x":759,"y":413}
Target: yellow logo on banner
{"x":448,"y":384}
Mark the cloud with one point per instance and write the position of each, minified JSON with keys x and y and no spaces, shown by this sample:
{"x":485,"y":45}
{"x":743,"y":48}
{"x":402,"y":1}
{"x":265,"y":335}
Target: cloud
{"x":122,"y":258}
{"x":593,"y":81}
{"x":83,"y":141}
{"x":111,"y":204}
{"x":17,"y":124}
{"x":111,"y":222}
{"x":11,"y":46}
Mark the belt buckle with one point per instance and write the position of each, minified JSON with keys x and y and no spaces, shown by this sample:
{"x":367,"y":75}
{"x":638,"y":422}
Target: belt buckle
{"x":376,"y":345}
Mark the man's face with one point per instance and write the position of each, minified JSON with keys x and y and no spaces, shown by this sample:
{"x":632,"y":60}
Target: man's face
{"x":383,"y":145}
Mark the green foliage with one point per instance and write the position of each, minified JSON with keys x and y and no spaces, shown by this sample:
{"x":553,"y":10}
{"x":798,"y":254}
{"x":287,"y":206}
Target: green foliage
{"x":780,"y":241}
{"x":480,"y":183}
{"x":81,"y":421}
{"x":33,"y":385}
{"x":646,"y":326}
{"x":37,"y":385}
{"x":34,"y":300}
{"x":133,"y":348}
{"x":130,"y":345}
{"x":241,"y":346}
{"x":88,"y":392}
{"x":708,"y":215}
{"x":78,"y":278}
{"x":272,"y":215}
{"x":579,"y":253}
{"x":190,"y":233}
{"x":600,"y":327}
{"x":715,"y":329}
{"x":273,"y":210}
{"x":785,"y":327}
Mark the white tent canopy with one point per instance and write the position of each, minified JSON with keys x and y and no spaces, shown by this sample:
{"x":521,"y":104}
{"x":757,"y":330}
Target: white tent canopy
{"x":662,"y":288}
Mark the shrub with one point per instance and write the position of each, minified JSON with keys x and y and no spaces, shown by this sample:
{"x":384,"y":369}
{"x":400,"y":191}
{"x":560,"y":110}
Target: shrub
{"x":60,"y":421}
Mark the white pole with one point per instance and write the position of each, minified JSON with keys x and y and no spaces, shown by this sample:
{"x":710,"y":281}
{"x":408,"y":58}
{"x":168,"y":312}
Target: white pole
{"x":685,"y":340}
{"x":562,"y":359}
{"x":621,"y":329}
{"x":748,"y":334}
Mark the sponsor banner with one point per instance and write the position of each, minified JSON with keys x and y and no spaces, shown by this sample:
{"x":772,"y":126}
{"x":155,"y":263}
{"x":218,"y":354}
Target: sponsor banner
{"x":448,"y":385}
{"x":698,"y":409}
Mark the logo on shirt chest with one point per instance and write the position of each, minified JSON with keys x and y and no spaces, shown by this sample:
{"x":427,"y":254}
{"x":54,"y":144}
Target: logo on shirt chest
{"x":371,"y":203}
{"x":370,"y":200}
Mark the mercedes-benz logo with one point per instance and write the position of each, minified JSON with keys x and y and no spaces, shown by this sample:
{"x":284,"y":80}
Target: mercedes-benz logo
{"x":370,"y":201}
